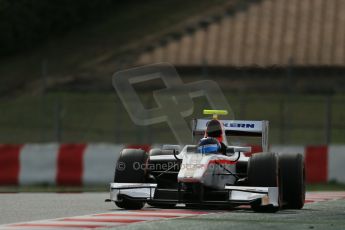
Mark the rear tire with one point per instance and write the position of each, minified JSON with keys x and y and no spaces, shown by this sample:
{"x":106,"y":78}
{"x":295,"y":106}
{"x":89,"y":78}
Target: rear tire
{"x":263,"y":172}
{"x":130,"y":168}
{"x":292,"y":179}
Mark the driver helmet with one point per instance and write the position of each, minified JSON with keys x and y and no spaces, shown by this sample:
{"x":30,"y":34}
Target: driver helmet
{"x":214,"y":129}
{"x":209,"y":145}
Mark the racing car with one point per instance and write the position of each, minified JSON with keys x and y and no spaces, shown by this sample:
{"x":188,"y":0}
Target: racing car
{"x":211,"y":172}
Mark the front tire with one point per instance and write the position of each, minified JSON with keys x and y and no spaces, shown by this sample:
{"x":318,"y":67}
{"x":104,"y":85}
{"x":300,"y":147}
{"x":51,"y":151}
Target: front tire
{"x":129,"y":204}
{"x":263,"y":171}
{"x":130,"y":168}
{"x":292,"y":180}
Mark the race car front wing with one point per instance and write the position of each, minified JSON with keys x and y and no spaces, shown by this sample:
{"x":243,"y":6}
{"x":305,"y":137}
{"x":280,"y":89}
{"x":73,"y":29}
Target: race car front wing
{"x":242,"y":194}
{"x":133,"y":190}
{"x":237,"y":195}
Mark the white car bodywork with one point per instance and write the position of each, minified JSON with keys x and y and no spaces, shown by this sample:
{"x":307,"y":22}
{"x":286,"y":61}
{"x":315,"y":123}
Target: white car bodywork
{"x":211,"y":170}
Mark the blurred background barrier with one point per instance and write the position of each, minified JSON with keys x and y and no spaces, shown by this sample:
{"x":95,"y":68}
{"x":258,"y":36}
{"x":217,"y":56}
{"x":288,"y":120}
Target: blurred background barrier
{"x":94,"y":164}
{"x":54,"y":164}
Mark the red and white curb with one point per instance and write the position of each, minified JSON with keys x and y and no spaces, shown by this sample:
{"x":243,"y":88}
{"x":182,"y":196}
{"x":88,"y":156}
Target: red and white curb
{"x":106,"y":220}
{"x":125,"y":217}
{"x":313,"y":197}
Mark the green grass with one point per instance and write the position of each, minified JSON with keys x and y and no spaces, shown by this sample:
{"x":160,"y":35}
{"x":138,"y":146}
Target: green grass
{"x":101,"y":117}
{"x":331,"y":186}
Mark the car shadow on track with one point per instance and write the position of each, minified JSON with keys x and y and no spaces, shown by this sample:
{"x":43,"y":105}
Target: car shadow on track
{"x":215,"y":209}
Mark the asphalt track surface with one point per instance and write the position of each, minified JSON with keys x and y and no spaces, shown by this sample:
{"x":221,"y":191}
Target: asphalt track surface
{"x":323,"y":210}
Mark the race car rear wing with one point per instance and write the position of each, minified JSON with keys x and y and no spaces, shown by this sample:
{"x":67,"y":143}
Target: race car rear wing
{"x":237,"y":128}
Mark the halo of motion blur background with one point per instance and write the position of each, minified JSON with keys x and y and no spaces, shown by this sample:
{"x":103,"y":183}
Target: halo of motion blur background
{"x":276,"y":60}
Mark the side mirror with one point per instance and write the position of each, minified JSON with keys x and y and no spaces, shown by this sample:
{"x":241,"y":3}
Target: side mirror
{"x":243,"y":149}
{"x":171,"y":147}
{"x":233,"y":149}
{"x":230,"y":150}
{"x":191,"y":149}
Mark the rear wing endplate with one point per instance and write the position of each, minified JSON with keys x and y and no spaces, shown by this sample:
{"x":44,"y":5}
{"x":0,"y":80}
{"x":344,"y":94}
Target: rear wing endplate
{"x":237,"y":128}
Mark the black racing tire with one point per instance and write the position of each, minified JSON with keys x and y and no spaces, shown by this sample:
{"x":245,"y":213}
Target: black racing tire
{"x":119,"y":204}
{"x":129,"y":204}
{"x":263,"y":171}
{"x":127,"y":168}
{"x":292,"y":180}
{"x":130,"y":168}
